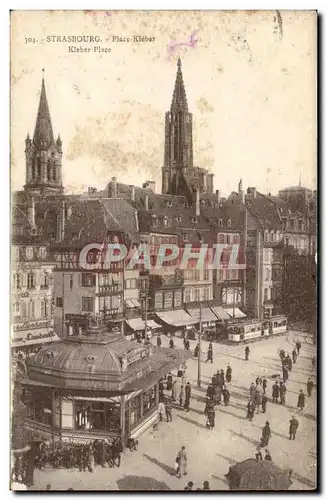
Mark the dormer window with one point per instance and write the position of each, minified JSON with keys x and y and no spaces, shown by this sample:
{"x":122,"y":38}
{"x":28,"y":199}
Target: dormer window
{"x":185,"y":237}
{"x":186,"y":204}
{"x":200,"y":237}
{"x":203,"y":203}
{"x":229,"y":223}
{"x":194,"y":220}
{"x":179,"y":218}
{"x":221,"y":223}
{"x":165,"y":221}
{"x":169,"y":203}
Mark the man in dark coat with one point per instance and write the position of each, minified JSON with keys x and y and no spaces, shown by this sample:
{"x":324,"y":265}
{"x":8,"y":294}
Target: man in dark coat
{"x":264,"y":403}
{"x":294,"y":355}
{"x":282,"y":392}
{"x":289,"y":363}
{"x":228,"y":374}
{"x":210,"y":391}
{"x":171,"y":344}
{"x":301,"y":400}
{"x":210,"y":353}
{"x":211,"y":415}
{"x":264,"y":384}
{"x":247,"y":353}
{"x":250,"y":409}
{"x":267,"y":455}
{"x":187,"y":345}
{"x":298,"y":346}
{"x":158,"y":340}
{"x":222,"y":377}
{"x":275,"y":392}
{"x":187,"y":397}
{"x":294,"y":424}
{"x":266,"y":435}
{"x":168,"y":408}
{"x":309,"y":387}
{"x":226,"y":396}
{"x":196,"y":350}
{"x":285,"y":374}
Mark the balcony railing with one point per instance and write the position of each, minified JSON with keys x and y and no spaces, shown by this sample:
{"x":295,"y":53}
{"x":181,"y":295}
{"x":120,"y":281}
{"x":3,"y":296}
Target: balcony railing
{"x":110,"y":289}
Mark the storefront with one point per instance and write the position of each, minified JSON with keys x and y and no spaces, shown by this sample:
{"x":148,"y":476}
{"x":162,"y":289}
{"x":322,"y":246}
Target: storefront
{"x":26,"y":344}
{"x":208,"y":319}
{"x":137,"y":326}
{"x":176,"y":321}
{"x":93,"y":387}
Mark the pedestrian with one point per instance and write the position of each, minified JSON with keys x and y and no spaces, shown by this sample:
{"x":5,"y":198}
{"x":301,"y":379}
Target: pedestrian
{"x":313,"y":362}
{"x":206,"y":486}
{"x":169,"y":382}
{"x":228,"y":373}
{"x":181,"y":459}
{"x":252,"y":391}
{"x":289,"y":363}
{"x":217,"y":395}
{"x":285,"y":373}
{"x":298,"y":346}
{"x":226,"y":396}
{"x":219,"y":380}
{"x":187,"y":397}
{"x":294,"y":424}
{"x":258,"y":398}
{"x":258,"y":455}
{"x":222,"y":378}
{"x":264,"y":402}
{"x":210,"y":391}
{"x":207,"y":404}
{"x":301,"y":400}
{"x":257,"y":381}
{"x":210,"y":353}
{"x":173,"y":390}
{"x":182,"y":394}
{"x":168,"y":409}
{"x":264,"y":384}
{"x":250,"y":409}
{"x":247,"y":353}
{"x":189,"y":486}
{"x":158,"y":340}
{"x":196,"y":350}
{"x":91,"y":461}
{"x":266,"y":435}
{"x":294,"y":355}
{"x":162,"y":410}
{"x":171,"y":344}
{"x":211,"y":415}
{"x":187,"y":345}
{"x":282,"y":355}
{"x":267,"y":455}
{"x":275,"y":392}
{"x":309,"y":386}
{"x":282,"y":392}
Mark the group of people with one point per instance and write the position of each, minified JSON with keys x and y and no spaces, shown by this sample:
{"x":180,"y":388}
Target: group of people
{"x":190,"y":484}
{"x":257,"y":397}
{"x":217,"y":391}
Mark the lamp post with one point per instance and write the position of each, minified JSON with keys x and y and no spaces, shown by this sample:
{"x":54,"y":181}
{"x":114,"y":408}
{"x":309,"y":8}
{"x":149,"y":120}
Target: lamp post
{"x":144,"y":297}
{"x":199,"y":350}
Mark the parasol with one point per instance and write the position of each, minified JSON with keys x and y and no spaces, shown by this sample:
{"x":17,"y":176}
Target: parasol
{"x":254,"y":475}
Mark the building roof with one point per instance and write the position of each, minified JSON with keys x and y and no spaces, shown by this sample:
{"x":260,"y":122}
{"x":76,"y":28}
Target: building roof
{"x":104,"y":362}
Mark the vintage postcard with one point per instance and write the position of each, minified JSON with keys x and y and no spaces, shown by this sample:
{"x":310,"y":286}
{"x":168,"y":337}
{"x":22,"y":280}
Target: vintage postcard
{"x":163,"y":250}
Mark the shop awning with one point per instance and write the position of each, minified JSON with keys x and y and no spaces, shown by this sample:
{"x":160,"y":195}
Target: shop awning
{"x":137,"y":324}
{"x":177,"y":318}
{"x":207,"y":314}
{"x":132,"y":304}
{"x":235,"y":312}
{"x":220,"y":313}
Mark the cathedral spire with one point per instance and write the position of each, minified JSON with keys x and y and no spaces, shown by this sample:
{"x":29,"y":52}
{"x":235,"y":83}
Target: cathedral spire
{"x":43,"y":133}
{"x":179,"y":102}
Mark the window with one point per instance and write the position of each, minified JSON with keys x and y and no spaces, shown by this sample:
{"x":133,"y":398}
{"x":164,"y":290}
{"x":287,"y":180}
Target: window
{"x":169,"y":203}
{"x":42,"y":252}
{"x":229,"y":223}
{"x":88,"y":279}
{"x":15,"y":254}
{"x":200,"y":237}
{"x":196,"y":295}
{"x":40,"y":408}
{"x":31,"y":281}
{"x":187,"y":295}
{"x":265,"y":235}
{"x":135,"y":411}
{"x":206,"y":274}
{"x":44,"y":308}
{"x":29,"y":253}
{"x":97,"y":416}
{"x":265,"y":293}
{"x":59,"y":302}
{"x":17,"y":281}
{"x":272,"y":236}
{"x":179,"y":218}
{"x":168,"y":300}
{"x":177,"y":299}
{"x":221,"y":222}
{"x":45,"y":281}
{"x":131,"y":283}
{"x":71,"y":281}
{"x":185,"y":237}
{"x":206,"y":294}
{"x":194,"y":220}
{"x":16,"y":309}
{"x":149,"y":401}
{"x":87,"y":304}
{"x":165,"y":221}
{"x":30,"y":309}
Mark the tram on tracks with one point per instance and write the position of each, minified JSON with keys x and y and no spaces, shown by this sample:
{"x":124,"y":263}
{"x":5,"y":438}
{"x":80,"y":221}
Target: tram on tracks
{"x":252,"y":330}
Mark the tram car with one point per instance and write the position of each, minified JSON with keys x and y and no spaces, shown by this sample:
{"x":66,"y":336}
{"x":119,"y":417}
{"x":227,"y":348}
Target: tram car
{"x":244,"y":332}
{"x":278,"y":325}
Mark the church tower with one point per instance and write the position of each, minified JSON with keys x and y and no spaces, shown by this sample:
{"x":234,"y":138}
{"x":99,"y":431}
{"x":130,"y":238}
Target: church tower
{"x":178,"y":155}
{"x":43,"y":154}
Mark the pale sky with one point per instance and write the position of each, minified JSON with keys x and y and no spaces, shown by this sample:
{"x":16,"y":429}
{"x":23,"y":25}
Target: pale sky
{"x":250,"y":82}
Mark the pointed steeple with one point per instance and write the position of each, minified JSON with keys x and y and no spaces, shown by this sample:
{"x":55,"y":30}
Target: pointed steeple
{"x":43,"y":133}
{"x":179,"y":102}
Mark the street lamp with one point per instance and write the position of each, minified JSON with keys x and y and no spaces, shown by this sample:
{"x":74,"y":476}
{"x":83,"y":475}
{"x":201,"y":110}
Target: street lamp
{"x":144,"y":297}
{"x":199,"y":350}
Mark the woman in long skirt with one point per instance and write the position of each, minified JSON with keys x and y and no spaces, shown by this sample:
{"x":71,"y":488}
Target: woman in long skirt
{"x":182,"y":394}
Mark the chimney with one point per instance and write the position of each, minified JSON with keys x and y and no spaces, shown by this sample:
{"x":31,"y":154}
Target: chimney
{"x":197,"y":202}
{"x":218,"y":196}
{"x":113,"y":188}
{"x":253,"y":192}
{"x":132,"y":193}
{"x":146,"y":202}
{"x":31,"y":213}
